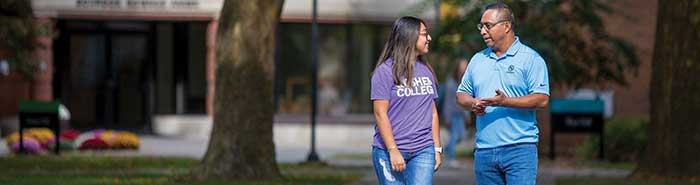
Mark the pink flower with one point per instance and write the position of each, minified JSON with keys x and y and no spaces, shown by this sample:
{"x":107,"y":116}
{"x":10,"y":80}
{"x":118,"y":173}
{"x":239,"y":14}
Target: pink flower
{"x":31,"y":145}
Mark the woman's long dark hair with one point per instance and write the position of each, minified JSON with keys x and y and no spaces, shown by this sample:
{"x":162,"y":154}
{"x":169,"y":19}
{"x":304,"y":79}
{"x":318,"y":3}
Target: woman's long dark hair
{"x":401,"y":47}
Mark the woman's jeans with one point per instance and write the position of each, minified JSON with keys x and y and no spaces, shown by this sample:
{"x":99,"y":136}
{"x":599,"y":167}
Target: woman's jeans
{"x":510,"y":164}
{"x":419,"y":167}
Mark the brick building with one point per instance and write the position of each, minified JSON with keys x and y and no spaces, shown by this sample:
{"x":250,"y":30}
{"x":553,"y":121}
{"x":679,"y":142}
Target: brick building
{"x":142,"y":64}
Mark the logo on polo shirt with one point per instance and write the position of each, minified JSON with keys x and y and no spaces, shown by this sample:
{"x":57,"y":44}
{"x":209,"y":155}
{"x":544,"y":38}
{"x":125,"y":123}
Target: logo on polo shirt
{"x":511,"y":68}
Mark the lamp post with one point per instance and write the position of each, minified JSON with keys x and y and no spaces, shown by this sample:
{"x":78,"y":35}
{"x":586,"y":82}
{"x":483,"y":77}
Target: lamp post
{"x":313,"y":157}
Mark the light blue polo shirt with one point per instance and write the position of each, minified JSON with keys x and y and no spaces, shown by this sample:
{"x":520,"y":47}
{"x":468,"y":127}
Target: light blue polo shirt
{"x":519,"y":72}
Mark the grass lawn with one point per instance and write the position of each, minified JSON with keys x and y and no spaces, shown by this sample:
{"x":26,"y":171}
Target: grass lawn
{"x":147,"y":170}
{"x":574,"y":163}
{"x":607,"y":165}
{"x":618,"y":181}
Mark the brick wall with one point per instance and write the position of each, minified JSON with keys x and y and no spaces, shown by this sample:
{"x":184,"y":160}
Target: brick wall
{"x":635,"y":22}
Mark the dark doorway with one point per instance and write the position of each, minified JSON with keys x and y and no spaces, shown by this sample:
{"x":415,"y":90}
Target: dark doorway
{"x":103,"y":73}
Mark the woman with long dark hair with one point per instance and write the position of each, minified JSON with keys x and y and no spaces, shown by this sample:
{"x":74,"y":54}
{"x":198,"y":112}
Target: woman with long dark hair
{"x":406,"y":146}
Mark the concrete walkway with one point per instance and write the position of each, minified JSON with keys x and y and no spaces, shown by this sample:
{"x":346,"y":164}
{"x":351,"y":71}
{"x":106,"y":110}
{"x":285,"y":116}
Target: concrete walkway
{"x":196,"y":148}
{"x":348,"y":155}
{"x":464,"y":174}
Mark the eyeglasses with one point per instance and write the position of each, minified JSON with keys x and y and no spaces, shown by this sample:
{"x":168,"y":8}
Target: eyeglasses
{"x":424,"y":34}
{"x":489,"y":25}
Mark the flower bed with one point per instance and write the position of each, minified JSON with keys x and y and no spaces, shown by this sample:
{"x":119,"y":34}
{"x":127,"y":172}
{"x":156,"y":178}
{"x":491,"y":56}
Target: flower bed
{"x":40,"y":140}
{"x":107,"y":139}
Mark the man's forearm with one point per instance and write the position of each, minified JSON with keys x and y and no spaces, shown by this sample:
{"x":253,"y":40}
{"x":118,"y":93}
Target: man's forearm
{"x":532,"y":101}
{"x":465,"y":100}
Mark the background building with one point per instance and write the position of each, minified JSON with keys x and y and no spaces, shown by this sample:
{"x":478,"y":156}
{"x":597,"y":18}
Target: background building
{"x":127,"y":63}
{"x":148,"y":65}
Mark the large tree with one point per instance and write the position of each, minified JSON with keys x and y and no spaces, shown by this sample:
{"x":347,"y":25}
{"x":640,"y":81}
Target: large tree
{"x":241,"y":144}
{"x":675,"y":103}
{"x":569,"y":34}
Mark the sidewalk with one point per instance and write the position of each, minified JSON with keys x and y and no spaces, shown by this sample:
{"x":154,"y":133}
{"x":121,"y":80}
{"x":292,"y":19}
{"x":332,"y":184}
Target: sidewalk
{"x":464,"y":174}
{"x":340,"y":156}
{"x":351,"y":155}
{"x":196,"y":148}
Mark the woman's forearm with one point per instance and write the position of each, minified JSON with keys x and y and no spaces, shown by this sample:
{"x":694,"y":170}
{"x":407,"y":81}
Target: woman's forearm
{"x":383,"y":124}
{"x":436,"y":127}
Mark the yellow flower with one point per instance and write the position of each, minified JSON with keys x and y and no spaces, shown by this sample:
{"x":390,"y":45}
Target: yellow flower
{"x":43,"y":135}
{"x":12,"y":138}
{"x":125,"y":140}
{"x":108,"y":136}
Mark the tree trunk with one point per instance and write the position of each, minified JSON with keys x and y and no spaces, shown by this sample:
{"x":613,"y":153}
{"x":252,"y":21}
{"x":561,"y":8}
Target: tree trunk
{"x":675,"y":102}
{"x":241,"y":144}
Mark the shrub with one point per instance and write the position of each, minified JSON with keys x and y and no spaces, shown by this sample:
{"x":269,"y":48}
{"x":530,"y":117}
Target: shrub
{"x":625,"y":140}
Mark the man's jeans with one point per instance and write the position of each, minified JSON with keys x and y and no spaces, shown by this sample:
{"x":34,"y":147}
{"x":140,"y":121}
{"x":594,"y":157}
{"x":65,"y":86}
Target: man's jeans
{"x":510,"y":164}
{"x":419,"y":167}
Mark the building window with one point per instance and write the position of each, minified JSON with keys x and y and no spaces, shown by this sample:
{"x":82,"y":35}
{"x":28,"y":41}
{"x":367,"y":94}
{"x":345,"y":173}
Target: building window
{"x":181,"y":86}
{"x":347,"y":55}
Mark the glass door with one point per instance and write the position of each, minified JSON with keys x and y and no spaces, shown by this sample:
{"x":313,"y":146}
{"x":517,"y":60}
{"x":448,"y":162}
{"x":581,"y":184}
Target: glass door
{"x":82,"y":79}
{"x":127,"y":80}
{"x":103,"y":75}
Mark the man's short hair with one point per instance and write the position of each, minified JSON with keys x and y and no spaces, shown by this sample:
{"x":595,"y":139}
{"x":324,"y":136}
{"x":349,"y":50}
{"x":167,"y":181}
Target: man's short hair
{"x":503,"y":9}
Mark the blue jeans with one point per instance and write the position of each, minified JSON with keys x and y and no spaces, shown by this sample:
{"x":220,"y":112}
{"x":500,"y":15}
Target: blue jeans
{"x":419,"y":167}
{"x":510,"y":164}
{"x":456,"y":134}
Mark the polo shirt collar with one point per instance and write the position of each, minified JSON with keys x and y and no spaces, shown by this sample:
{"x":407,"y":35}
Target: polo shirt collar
{"x":512,"y":50}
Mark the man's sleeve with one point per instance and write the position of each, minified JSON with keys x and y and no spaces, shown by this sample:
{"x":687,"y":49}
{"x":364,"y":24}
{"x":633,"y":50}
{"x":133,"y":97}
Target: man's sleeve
{"x":466,"y":86}
{"x":538,"y":77}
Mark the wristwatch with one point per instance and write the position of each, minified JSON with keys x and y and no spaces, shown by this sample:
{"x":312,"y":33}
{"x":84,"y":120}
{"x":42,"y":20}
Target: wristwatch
{"x":438,"y":150}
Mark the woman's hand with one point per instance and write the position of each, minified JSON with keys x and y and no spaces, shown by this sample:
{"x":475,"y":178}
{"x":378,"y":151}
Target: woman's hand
{"x":398,"y":164}
{"x":438,"y":161}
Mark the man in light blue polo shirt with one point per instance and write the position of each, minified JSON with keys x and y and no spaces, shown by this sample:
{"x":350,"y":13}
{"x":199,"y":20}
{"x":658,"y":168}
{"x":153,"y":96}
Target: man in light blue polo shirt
{"x":504,"y":85}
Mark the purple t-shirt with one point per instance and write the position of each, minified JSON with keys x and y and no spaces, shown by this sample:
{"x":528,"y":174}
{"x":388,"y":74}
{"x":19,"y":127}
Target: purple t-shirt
{"x":410,"y":109}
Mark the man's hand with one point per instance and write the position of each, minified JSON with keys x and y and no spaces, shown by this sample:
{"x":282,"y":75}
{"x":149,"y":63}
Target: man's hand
{"x":468,"y":102}
{"x":478,"y":107}
{"x":497,"y":100}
